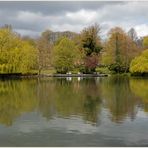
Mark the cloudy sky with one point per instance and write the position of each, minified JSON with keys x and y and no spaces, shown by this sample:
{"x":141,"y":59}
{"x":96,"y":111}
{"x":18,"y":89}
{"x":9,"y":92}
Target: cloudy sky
{"x":31,"y":18}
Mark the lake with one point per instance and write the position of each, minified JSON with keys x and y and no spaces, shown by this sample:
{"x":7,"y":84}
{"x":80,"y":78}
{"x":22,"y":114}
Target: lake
{"x":109,"y":111}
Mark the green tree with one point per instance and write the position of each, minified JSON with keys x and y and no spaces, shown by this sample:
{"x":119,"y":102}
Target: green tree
{"x":91,"y":46}
{"x":139,"y":65}
{"x":64,"y":55}
{"x":16,"y":55}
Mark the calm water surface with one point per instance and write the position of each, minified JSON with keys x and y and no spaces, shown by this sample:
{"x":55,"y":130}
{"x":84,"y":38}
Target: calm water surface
{"x":109,"y":111}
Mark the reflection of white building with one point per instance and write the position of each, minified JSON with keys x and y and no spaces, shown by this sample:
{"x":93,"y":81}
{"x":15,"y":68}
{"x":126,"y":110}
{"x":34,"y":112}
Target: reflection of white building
{"x":68,"y":78}
{"x":98,"y":79}
{"x":80,"y":78}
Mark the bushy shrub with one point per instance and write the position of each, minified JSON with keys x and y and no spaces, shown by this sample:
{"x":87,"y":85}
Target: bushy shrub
{"x":139,"y":65}
{"x":118,"y":68}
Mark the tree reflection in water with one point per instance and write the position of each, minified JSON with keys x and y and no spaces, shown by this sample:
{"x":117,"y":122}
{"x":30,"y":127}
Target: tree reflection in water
{"x":139,"y":86}
{"x":85,"y":98}
{"x":119,"y":98}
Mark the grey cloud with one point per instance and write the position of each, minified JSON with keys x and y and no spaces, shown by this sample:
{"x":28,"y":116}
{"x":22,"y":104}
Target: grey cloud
{"x":30,"y":17}
{"x":53,"y":7}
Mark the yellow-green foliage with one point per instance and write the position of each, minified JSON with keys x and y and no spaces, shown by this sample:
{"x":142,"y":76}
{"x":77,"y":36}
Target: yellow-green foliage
{"x":104,"y":70}
{"x":16,"y":55}
{"x":140,"y":64}
{"x":64,"y":55}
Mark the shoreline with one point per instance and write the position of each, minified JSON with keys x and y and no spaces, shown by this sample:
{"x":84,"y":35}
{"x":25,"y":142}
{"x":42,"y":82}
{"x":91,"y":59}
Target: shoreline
{"x":35,"y":75}
{"x":76,"y":75}
{"x":19,"y":75}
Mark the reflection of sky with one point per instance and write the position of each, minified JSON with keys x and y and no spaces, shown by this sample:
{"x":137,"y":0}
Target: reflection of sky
{"x":33,"y":125}
{"x":74,"y":124}
{"x":77,"y":125}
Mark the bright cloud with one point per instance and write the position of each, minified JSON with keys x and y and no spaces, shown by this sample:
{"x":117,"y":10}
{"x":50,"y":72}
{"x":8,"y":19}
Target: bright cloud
{"x":31,"y":18}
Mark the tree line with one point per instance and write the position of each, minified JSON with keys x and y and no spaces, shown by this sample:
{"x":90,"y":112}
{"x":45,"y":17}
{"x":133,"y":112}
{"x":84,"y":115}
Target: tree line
{"x":120,"y":52}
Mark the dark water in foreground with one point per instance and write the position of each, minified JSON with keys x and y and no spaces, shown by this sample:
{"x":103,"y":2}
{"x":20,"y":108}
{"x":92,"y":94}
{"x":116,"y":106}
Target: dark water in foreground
{"x":109,"y":111}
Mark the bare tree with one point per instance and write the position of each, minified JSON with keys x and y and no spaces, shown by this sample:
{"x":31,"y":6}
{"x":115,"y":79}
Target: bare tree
{"x":133,"y":34}
{"x":44,"y":50}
